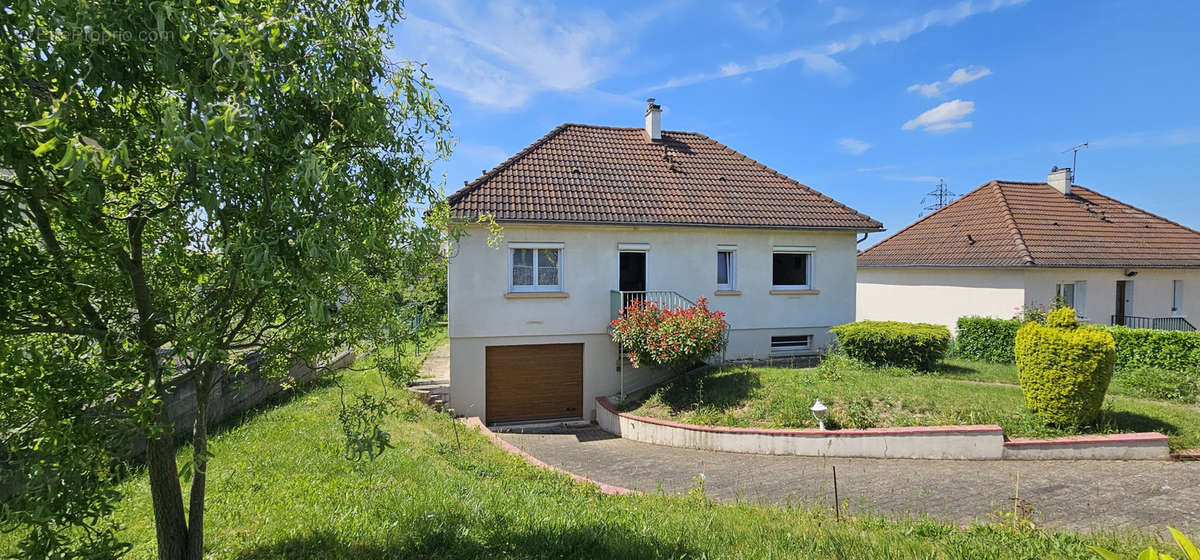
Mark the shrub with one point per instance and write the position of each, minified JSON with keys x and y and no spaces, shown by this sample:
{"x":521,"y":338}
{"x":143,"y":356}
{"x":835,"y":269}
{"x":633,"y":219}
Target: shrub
{"x":987,"y":340}
{"x":892,"y":343}
{"x":991,"y":340}
{"x":1165,"y":384}
{"x":1148,"y":348}
{"x":669,"y":339}
{"x":1064,"y":370}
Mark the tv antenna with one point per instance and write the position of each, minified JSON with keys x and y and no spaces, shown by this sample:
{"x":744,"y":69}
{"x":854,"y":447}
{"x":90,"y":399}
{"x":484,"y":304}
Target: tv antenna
{"x":936,"y":199}
{"x":1074,"y":156}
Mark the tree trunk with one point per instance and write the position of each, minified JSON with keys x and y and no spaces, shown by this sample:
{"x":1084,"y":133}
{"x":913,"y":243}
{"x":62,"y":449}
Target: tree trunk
{"x":170,"y":525}
{"x":199,"y":469}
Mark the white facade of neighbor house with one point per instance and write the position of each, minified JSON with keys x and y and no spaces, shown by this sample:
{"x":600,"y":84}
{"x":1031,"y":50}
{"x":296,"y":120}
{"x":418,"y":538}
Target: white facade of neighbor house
{"x":943,"y":294}
{"x":486,"y":309}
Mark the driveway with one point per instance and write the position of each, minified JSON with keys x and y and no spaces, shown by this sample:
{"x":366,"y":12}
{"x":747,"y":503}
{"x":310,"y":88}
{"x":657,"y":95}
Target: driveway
{"x":1073,"y":495}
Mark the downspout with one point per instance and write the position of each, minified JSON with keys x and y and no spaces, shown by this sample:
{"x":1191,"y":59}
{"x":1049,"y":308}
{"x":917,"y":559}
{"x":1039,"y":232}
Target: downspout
{"x":863,"y":238}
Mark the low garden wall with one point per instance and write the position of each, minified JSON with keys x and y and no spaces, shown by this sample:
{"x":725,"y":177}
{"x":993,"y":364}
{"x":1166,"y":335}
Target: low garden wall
{"x":234,"y":394}
{"x":931,"y":442}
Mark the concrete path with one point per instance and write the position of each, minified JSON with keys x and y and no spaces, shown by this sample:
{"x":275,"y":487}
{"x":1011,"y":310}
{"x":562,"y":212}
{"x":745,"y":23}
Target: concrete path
{"x":1073,"y":495}
{"x":437,"y":364}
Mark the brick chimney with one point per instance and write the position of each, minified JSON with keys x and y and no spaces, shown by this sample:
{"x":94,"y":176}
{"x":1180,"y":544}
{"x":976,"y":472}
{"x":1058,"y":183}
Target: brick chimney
{"x":653,"y":120}
{"x":1060,"y":179}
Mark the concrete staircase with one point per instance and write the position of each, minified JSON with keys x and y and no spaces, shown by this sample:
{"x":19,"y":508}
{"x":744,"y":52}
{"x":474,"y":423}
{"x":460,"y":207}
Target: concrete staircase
{"x":434,"y":392}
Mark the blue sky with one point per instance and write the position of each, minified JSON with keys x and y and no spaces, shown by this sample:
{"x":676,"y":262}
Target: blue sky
{"x":870,"y":103}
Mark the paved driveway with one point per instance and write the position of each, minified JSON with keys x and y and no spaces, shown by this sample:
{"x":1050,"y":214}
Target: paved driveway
{"x":1073,"y":495}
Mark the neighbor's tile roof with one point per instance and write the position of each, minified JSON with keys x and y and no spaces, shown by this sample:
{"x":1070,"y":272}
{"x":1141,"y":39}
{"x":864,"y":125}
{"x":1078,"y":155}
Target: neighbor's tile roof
{"x":605,"y":175}
{"x":1006,"y":224}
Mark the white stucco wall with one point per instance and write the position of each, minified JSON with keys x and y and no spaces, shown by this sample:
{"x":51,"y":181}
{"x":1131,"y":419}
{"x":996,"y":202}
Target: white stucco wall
{"x":680,"y":259}
{"x":942,"y":295}
{"x":1151,"y":293}
{"x":938,"y":295}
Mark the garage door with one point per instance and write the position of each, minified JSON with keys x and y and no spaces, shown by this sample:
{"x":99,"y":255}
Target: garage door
{"x":534,"y":381}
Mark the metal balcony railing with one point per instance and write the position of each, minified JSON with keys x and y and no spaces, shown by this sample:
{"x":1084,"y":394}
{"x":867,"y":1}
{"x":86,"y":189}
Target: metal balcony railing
{"x":1158,"y":323}
{"x":666,"y":299}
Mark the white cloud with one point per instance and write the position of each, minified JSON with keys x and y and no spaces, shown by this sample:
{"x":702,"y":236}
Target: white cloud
{"x":912,"y":178}
{"x":483,"y":153}
{"x":957,"y":78}
{"x":1165,"y":138}
{"x":943,"y":118}
{"x":853,"y":146}
{"x":820,"y":57}
{"x":760,"y":16}
{"x":842,"y":14}
{"x":501,"y":53}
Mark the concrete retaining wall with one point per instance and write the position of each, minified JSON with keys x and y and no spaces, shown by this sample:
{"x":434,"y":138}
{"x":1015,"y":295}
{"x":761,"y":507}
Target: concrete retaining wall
{"x":934,"y":442}
{"x":233,"y":395}
{"x":1145,"y":445}
{"x":925,"y":442}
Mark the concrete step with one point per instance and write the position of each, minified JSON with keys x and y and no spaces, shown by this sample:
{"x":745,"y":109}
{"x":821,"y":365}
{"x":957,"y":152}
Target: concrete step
{"x":428,"y":382}
{"x":540,"y":426}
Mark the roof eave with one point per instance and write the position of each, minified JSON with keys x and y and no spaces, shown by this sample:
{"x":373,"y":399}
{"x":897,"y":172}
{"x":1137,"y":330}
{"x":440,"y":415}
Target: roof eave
{"x":1036,"y":266}
{"x":857,"y":229}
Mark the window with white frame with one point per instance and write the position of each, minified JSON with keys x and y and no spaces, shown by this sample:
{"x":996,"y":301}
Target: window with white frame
{"x":726,"y":268}
{"x":790,"y":344}
{"x":1073,"y":295}
{"x":1177,"y":297}
{"x":535,"y":267}
{"x":791,"y":268}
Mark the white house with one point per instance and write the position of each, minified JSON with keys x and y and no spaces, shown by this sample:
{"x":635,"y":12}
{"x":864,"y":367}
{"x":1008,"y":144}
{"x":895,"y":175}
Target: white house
{"x":592,"y":214}
{"x":1008,"y":244}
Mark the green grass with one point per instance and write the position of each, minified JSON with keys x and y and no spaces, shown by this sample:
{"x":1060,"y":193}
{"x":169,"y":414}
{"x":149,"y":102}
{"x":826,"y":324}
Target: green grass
{"x":279,"y":488}
{"x":860,"y":397}
{"x":969,"y":370}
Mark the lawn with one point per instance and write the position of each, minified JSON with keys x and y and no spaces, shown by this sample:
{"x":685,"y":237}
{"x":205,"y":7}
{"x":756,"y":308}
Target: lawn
{"x":279,"y":488}
{"x":962,"y":392}
{"x":969,"y":370}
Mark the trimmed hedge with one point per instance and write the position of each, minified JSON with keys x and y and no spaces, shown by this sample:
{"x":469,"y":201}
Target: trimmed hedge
{"x":1148,"y":348}
{"x":992,"y":340}
{"x":1064,"y":370}
{"x":892,"y":343}
{"x":986,"y":340}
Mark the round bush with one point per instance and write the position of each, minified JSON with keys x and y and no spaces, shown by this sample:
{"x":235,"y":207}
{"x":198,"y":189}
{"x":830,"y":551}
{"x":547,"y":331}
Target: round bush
{"x":892,"y":343}
{"x":1064,"y":370}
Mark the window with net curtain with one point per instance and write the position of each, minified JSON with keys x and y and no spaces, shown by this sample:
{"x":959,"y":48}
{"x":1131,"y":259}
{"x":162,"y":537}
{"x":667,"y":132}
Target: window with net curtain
{"x":536,"y":270}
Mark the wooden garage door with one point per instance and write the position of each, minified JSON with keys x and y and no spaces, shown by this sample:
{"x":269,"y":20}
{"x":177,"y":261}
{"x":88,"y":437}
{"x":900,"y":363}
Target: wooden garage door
{"x":533,"y":381}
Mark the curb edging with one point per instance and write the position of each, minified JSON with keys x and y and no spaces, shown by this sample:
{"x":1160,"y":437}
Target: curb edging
{"x":475,"y":422}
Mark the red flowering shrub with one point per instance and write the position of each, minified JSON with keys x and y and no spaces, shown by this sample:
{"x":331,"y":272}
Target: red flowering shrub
{"x":669,"y":339}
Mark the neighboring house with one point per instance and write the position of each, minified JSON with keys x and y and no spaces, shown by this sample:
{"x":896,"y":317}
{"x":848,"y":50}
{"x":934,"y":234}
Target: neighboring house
{"x":593,"y":216}
{"x":1007,"y":244}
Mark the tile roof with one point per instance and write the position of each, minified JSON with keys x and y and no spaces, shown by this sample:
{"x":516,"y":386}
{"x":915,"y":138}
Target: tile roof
{"x":605,"y":175}
{"x":1012,"y":224}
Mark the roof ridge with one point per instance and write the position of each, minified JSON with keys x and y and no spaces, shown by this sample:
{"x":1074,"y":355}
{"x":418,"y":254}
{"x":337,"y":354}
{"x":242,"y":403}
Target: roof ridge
{"x":926,"y":217}
{"x":771,"y":170}
{"x":467,"y":188}
{"x":1022,"y":248}
{"x":638,"y":128}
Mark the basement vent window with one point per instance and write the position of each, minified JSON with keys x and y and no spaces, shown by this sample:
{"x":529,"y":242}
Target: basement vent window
{"x":791,"y":344}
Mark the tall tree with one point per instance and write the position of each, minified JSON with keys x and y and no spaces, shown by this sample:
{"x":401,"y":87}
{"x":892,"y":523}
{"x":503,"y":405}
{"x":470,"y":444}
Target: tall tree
{"x":183,"y":182}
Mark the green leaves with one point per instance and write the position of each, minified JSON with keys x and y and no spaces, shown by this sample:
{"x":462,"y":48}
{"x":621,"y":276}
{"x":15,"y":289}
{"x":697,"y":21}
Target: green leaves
{"x":208,"y":180}
{"x":1189,"y":550}
{"x":46,"y":147}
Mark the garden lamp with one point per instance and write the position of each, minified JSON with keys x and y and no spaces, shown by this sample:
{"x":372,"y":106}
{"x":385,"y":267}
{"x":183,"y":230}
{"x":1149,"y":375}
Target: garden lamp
{"x":820,"y":411}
